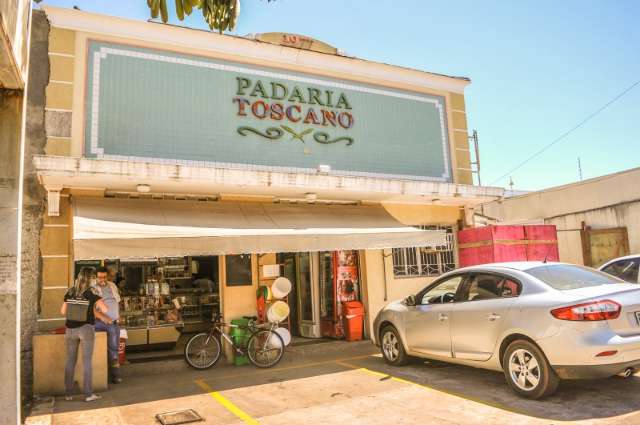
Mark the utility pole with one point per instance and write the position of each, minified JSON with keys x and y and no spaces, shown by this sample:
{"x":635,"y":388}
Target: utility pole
{"x":579,"y":169}
{"x":476,"y":162}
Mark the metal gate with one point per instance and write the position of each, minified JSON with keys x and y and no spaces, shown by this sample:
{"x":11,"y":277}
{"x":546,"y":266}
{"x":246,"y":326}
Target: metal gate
{"x":602,"y":245}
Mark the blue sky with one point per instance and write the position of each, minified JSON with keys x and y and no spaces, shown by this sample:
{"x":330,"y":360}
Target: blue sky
{"x":538,"y":68}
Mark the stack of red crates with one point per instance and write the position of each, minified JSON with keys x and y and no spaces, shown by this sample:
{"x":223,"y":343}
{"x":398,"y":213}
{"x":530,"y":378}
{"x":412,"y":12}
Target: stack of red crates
{"x":494,"y":244}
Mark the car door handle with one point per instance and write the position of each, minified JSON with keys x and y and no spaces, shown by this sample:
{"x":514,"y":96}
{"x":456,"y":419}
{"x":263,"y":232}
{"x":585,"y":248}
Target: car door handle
{"x":493,"y":316}
{"x":442,"y":317}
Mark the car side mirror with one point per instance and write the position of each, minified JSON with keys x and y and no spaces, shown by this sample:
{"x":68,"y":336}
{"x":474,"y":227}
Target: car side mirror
{"x":410,"y":300}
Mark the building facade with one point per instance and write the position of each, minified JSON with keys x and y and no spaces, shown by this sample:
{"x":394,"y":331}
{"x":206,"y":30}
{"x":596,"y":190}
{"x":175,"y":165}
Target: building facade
{"x":173,"y":153}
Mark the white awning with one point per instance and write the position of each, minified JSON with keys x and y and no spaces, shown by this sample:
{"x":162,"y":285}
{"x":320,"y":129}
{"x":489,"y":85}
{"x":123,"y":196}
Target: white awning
{"x":140,"y":228}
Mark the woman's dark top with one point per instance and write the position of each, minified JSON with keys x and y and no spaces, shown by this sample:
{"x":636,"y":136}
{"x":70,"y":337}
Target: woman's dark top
{"x":88,"y":295}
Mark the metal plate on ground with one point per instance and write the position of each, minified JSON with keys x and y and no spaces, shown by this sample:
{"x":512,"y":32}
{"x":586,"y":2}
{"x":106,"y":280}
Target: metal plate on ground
{"x":179,"y":417}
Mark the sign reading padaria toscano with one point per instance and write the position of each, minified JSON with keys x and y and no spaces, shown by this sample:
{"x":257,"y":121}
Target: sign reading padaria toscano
{"x":155,"y":105}
{"x":276,"y":102}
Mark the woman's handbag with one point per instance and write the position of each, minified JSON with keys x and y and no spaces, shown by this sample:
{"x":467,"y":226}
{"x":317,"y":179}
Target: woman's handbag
{"x":77,"y":308}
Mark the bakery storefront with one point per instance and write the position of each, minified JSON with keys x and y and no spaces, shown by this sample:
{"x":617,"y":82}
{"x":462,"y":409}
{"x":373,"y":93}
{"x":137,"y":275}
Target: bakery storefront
{"x":168,"y":258}
{"x":200,"y":167}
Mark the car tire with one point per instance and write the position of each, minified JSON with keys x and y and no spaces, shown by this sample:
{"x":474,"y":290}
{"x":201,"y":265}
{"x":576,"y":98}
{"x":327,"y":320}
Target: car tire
{"x":527,"y":370}
{"x":391,"y":346}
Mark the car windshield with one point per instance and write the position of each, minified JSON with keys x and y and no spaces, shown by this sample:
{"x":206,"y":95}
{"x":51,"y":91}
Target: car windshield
{"x":565,"y":276}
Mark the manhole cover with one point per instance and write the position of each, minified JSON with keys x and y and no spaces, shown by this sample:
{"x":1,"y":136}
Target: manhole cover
{"x":179,"y":417}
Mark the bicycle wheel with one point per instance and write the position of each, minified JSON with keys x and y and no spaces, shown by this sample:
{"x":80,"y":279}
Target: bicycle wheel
{"x":265,"y":348}
{"x":202,"y":351}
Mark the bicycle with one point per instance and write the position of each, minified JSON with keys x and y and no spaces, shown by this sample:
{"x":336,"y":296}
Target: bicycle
{"x":264,"y":348}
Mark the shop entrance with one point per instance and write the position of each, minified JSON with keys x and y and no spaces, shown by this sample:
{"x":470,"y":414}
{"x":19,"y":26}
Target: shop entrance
{"x":322,"y":281}
{"x":163,"y":298}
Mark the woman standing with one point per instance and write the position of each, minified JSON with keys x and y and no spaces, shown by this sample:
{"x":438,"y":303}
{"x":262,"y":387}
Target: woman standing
{"x":81,"y":330}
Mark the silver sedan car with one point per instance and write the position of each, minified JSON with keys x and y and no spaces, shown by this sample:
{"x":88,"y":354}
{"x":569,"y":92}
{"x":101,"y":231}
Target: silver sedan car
{"x":537,"y":322}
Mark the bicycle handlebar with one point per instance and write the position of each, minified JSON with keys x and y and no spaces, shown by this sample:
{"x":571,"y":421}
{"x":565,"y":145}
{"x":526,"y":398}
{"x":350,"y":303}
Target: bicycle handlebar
{"x":217,"y":320}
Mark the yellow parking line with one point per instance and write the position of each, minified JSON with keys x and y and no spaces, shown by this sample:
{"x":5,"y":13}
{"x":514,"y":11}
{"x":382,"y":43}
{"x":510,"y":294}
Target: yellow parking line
{"x":449,"y":392}
{"x":227,"y":404}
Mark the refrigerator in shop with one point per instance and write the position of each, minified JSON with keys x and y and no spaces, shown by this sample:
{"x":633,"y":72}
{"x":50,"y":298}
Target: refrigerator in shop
{"x":339,"y":282}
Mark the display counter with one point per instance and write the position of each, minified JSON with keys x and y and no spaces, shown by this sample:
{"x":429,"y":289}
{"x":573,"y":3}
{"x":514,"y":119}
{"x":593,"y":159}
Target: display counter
{"x":161,"y":298}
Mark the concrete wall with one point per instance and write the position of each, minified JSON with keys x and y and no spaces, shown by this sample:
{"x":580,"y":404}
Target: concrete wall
{"x":604,"y":202}
{"x":621,"y":215}
{"x":14,"y":19}
{"x":14,"y":28}
{"x":10,"y":125}
{"x":33,"y":197}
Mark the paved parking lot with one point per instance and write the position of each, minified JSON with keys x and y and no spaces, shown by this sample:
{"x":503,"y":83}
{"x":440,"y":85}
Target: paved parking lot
{"x":349,"y":383}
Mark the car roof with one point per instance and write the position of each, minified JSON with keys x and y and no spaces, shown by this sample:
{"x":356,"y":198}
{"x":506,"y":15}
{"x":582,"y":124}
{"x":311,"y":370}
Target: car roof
{"x":513,"y":265}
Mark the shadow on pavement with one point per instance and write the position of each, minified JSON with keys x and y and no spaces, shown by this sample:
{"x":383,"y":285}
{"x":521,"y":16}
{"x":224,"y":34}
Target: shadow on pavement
{"x":180,"y":381}
{"x":574,"y":400}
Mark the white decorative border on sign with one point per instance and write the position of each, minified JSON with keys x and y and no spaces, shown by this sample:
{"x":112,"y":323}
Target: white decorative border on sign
{"x":99,"y":152}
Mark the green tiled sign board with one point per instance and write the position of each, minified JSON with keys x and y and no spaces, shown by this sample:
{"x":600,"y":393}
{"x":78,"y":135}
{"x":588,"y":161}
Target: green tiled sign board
{"x":153,"y":105}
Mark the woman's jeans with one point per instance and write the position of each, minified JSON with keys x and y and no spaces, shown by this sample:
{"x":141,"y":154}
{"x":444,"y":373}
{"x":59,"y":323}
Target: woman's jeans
{"x":72,"y":338}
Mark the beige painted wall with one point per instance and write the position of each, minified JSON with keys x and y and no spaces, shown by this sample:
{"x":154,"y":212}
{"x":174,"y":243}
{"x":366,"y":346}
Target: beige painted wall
{"x":49,"y":359}
{"x":60,"y":91}
{"x":587,"y":195}
{"x":414,"y":215}
{"x":14,"y":28}
{"x":57,"y":264}
{"x":377,"y":273}
{"x":238,"y":301}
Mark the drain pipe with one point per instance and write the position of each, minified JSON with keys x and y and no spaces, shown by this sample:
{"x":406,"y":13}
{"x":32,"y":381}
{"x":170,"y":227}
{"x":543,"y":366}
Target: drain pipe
{"x":384,"y":272}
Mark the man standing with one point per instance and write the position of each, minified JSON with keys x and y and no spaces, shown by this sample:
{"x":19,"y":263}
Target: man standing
{"x":108,"y":322}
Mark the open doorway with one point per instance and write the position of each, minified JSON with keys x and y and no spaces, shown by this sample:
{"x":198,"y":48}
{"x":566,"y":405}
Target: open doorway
{"x":322,"y":281}
{"x":289,"y":270}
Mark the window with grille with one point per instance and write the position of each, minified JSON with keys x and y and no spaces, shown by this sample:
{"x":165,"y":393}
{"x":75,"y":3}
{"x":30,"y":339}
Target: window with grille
{"x":425,"y":261}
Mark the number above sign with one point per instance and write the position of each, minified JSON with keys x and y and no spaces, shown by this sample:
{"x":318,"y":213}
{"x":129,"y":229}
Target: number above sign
{"x":297,"y":41}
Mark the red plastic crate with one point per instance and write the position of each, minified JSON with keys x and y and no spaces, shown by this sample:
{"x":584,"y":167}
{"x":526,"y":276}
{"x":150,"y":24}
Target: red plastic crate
{"x":493,"y":244}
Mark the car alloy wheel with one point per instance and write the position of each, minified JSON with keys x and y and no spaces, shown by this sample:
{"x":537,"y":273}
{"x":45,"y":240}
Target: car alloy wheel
{"x":390,"y":346}
{"x":524,"y":370}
